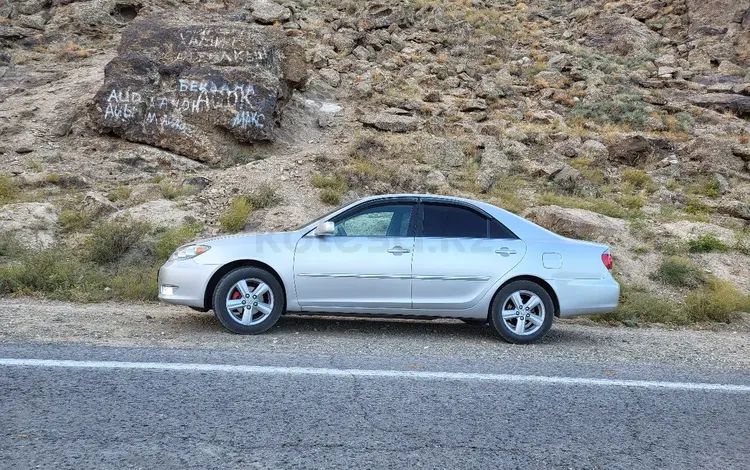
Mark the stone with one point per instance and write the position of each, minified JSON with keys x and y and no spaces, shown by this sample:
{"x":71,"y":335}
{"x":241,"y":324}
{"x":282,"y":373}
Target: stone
{"x":330,"y":76}
{"x":199,"y":84}
{"x":343,"y":43}
{"x":157,"y":213}
{"x":569,"y":148}
{"x":737,"y":209}
{"x":361,"y":53}
{"x":686,"y":230}
{"x":474,"y":105}
{"x":384,"y":14}
{"x":32,"y":224}
{"x":723,"y":183}
{"x":433,"y":96}
{"x":390,"y":122}
{"x":618,"y":34}
{"x":737,"y":104}
{"x":637,"y":150}
{"x":435,"y":180}
{"x":497,"y":160}
{"x":95,"y":205}
{"x":712,"y":155}
{"x":198,"y":182}
{"x":268,"y":12}
{"x":577,"y":223}
{"x":443,"y":153}
{"x":594,"y":150}
{"x":667,"y":60}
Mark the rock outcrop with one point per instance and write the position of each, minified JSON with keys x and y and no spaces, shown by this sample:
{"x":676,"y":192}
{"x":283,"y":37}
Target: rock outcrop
{"x":198,"y":84}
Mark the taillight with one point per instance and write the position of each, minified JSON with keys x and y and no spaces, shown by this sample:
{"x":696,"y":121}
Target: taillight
{"x":607,"y":260}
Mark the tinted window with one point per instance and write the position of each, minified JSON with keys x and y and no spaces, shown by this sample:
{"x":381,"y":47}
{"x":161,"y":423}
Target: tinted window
{"x":498,"y":230}
{"x":453,"y":222}
{"x":381,"y":221}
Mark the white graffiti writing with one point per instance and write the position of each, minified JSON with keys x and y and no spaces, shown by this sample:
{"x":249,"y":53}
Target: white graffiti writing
{"x":245,"y":119}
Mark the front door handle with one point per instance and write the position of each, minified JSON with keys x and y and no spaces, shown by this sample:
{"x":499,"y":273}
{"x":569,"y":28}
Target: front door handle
{"x":505,"y":251}
{"x":397,"y":250}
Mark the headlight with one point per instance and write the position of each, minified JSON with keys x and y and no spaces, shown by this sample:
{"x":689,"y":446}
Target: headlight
{"x":189,"y":251}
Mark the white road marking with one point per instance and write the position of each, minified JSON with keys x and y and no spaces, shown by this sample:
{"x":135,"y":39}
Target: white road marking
{"x":395,"y":374}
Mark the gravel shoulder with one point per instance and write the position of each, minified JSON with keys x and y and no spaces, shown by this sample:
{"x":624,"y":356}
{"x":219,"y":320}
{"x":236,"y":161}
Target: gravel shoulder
{"x":718,"y":348}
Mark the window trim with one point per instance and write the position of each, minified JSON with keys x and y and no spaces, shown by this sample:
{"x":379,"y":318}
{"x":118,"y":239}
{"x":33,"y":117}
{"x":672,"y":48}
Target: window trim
{"x":419,"y":233}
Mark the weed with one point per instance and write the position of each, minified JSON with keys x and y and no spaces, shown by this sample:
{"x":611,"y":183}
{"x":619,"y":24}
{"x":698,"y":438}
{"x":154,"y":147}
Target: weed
{"x":111,"y":240}
{"x":709,"y":187}
{"x":680,"y":272}
{"x":716,"y":302}
{"x":72,"y":220}
{"x":264,"y":196}
{"x":34,"y":166}
{"x":171,"y":190}
{"x":330,"y":196}
{"x":173,"y":239}
{"x":639,"y":179}
{"x":120,"y":194}
{"x":73,"y":51}
{"x":639,"y":305}
{"x":234,"y":219}
{"x":622,"y":109}
{"x":602,"y":206}
{"x":8,"y":189}
{"x":706,"y":244}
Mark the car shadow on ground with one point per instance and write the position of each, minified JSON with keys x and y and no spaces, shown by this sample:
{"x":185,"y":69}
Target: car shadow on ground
{"x":396,"y":328}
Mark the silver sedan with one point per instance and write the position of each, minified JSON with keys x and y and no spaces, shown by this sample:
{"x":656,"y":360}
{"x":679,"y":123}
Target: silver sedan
{"x":398,"y":256}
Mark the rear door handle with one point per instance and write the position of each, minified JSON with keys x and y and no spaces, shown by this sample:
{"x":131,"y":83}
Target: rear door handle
{"x":397,"y":250}
{"x":505,"y":251}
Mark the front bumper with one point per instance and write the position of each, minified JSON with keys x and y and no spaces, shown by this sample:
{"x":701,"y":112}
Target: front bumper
{"x":184,"y":282}
{"x":586,"y":296}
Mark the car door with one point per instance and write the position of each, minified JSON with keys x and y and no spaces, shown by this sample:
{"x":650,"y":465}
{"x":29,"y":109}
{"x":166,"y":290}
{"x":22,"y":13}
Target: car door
{"x":364,"y":265}
{"x":459,"y":253}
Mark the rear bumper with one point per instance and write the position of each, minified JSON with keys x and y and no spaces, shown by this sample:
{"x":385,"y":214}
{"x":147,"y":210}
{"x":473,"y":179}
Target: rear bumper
{"x":586,"y":296}
{"x":184,"y":282}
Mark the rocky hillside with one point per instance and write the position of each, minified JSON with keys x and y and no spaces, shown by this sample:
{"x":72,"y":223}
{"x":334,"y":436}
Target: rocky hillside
{"x":129,"y":126}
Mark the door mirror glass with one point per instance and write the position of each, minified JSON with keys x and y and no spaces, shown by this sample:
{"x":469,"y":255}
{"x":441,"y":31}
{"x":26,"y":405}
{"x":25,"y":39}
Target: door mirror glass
{"x":324,"y":228}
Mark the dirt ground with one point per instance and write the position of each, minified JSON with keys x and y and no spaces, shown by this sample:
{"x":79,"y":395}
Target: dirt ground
{"x":25,"y":320}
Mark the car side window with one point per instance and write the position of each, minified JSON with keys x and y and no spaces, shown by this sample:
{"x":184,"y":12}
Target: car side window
{"x":392,"y":220}
{"x":448,"y":221}
{"x":498,"y":230}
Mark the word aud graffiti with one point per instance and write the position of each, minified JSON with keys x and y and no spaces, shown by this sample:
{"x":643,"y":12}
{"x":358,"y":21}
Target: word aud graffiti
{"x":191,"y":97}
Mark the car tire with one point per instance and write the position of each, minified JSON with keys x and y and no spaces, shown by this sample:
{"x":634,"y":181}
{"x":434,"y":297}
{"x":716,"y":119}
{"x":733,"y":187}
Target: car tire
{"x":244,"y":320}
{"x":474,"y":321}
{"x":533,"y":328}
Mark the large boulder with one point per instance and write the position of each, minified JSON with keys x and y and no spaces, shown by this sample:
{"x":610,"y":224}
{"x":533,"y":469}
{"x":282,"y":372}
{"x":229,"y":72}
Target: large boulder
{"x":198,"y":84}
{"x":577,"y":223}
{"x":637,"y":150}
{"x":620,"y":35}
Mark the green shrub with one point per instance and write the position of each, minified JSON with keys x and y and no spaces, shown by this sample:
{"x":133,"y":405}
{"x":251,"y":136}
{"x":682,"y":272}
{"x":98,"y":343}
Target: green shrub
{"x":172,"y":190}
{"x":235,"y":218}
{"x":120,"y":194}
{"x":134,"y":283}
{"x":600,"y":205}
{"x":173,"y":239}
{"x":680,"y":272}
{"x":718,"y":301}
{"x":637,"y":305}
{"x":706,"y":244}
{"x":8,"y":245}
{"x":111,"y":240}
{"x":709,"y":187}
{"x":8,"y":189}
{"x":622,"y":109}
{"x":639,"y":179}
{"x":72,"y":220}
{"x":330,"y":196}
{"x":263,"y":196}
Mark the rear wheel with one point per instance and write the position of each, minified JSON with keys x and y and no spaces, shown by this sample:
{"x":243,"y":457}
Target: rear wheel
{"x":248,"y":300}
{"x":522,"y":312}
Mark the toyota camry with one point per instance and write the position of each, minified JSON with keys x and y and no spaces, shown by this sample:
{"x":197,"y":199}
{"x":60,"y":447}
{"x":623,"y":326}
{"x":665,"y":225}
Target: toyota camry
{"x":412,"y":256}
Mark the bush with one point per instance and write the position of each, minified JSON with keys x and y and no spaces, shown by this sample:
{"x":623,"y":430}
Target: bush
{"x":8,"y":189}
{"x":622,"y":109}
{"x":709,"y":187}
{"x":173,"y":239}
{"x":120,"y":194}
{"x":706,"y":244}
{"x":172,"y":190}
{"x":637,"y":305}
{"x":264,"y":196}
{"x":602,"y":206}
{"x":639,"y":179}
{"x":134,"y":283}
{"x":234,"y":219}
{"x":72,"y":221}
{"x":716,"y":302}
{"x":330,"y":196}
{"x":680,"y":272}
{"x":111,"y":240}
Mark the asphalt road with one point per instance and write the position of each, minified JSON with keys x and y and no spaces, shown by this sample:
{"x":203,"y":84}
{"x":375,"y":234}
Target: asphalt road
{"x":234,"y":408}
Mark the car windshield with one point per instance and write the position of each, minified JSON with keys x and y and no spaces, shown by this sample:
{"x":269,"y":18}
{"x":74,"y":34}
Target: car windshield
{"x":322,"y":217}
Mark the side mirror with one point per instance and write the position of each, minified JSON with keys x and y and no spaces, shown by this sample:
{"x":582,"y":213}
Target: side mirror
{"x":324,"y":228}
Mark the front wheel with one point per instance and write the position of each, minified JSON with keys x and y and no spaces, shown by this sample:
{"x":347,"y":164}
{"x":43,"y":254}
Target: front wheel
{"x":248,"y":300}
{"x":522,"y":312}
